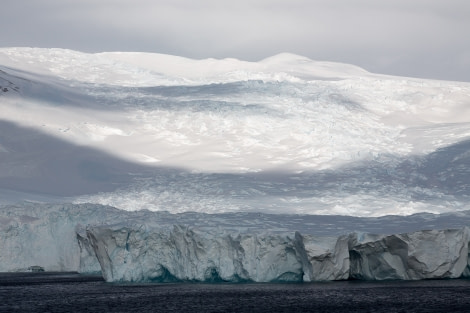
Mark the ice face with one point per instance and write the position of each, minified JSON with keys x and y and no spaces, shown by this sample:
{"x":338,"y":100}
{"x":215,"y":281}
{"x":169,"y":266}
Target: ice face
{"x":323,"y":258}
{"x":420,"y":255}
{"x":148,"y":246}
{"x":185,"y":255}
{"x":190,"y":255}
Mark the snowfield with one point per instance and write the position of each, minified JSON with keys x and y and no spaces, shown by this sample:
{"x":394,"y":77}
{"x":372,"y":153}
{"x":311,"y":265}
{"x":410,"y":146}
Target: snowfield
{"x":286,"y":169}
{"x":283,"y":135}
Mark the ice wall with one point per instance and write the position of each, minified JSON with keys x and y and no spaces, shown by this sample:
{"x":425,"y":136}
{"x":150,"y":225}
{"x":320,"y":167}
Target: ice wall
{"x":162,"y":247}
{"x":50,"y":235}
{"x":323,"y":258}
{"x":191,"y":255}
{"x":48,"y":241}
{"x":183,"y":254}
{"x":427,"y":254}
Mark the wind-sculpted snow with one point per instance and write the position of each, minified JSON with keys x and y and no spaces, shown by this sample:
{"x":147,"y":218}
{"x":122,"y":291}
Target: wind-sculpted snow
{"x":7,"y":84}
{"x":148,"y":246}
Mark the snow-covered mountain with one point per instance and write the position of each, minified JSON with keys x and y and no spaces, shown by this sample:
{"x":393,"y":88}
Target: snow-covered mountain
{"x":240,"y":140}
{"x":283,"y":135}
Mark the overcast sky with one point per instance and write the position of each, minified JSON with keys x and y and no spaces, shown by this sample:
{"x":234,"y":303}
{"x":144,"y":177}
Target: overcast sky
{"x":421,"y":38}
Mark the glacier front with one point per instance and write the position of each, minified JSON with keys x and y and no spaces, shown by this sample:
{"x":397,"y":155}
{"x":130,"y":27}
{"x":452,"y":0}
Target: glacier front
{"x":231,"y":247}
{"x":427,"y":254}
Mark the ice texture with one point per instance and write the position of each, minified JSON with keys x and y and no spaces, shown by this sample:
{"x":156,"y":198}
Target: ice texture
{"x":45,"y":235}
{"x":186,"y":255}
{"x":149,"y":246}
{"x":427,"y":254}
{"x":323,"y":258}
{"x":190,"y":255}
{"x":183,"y":254}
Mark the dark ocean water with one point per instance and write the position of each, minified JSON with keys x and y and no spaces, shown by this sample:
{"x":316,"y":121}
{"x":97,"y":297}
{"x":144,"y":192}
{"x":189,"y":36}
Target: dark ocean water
{"x":69,"y":292}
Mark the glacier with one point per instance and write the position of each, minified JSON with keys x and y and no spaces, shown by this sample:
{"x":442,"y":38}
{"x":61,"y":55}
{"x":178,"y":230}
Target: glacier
{"x":148,"y":167}
{"x":146,"y":246}
{"x":286,"y":134}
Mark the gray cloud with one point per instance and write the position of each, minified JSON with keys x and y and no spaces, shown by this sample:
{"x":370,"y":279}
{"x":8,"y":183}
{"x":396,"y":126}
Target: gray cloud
{"x":424,"y":38}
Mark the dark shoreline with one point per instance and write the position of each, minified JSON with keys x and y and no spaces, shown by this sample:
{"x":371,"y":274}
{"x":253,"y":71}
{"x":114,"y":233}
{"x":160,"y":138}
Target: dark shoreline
{"x":33,"y":278}
{"x":18,"y":278}
{"x":73,"y":292}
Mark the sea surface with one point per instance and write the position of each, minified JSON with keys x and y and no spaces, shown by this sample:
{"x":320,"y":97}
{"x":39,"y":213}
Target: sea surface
{"x":71,"y":292}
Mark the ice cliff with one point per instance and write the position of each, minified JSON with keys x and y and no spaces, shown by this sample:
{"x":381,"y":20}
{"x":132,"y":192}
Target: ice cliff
{"x":191,"y":255}
{"x":427,"y":254}
{"x":164,"y":247}
{"x":183,"y":254}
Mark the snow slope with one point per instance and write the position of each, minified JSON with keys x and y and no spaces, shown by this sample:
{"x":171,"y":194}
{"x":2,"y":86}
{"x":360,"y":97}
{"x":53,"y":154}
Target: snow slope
{"x":283,"y":135}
